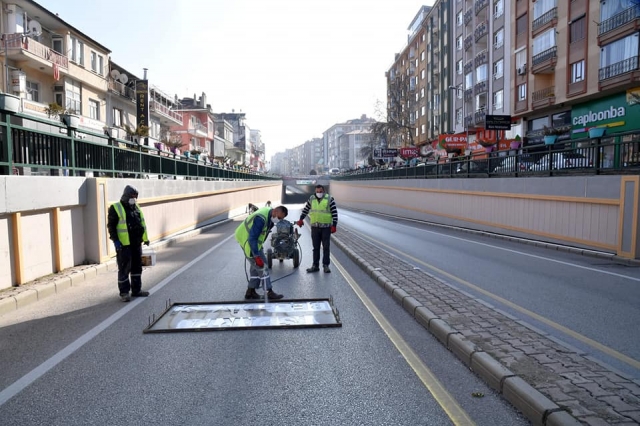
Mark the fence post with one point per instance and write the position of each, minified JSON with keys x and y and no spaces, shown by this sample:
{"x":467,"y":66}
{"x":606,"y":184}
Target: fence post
{"x":73,"y":152}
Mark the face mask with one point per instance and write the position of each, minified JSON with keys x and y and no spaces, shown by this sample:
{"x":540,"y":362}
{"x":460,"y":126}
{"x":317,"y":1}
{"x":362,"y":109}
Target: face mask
{"x":275,"y":220}
{"x":132,"y":201}
{"x":319,"y":194}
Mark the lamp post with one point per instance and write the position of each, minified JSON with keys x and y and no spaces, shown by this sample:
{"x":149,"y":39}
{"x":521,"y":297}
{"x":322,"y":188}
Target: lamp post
{"x":464,"y":124}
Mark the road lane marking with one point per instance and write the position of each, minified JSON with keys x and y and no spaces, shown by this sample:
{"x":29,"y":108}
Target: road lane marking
{"x":584,"y":339}
{"x":450,"y":406}
{"x":561,"y":262}
{"x":20,"y":384}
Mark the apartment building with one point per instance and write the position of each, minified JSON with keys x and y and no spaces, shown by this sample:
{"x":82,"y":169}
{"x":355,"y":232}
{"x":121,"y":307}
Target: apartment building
{"x":581,"y":72}
{"x":239,"y":153}
{"x":481,"y":54}
{"x":257,"y":150}
{"x":222,"y":138}
{"x":337,"y":154}
{"x":46,"y":60}
{"x":313,"y":156}
{"x":197,"y":128}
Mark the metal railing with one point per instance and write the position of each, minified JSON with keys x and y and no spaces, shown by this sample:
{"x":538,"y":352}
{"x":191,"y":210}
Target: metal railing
{"x":545,"y":56}
{"x":36,"y":48}
{"x":619,"y":19}
{"x":156,"y":106}
{"x":622,"y":67}
{"x":544,"y":19}
{"x":25,"y":151}
{"x":547,"y":92}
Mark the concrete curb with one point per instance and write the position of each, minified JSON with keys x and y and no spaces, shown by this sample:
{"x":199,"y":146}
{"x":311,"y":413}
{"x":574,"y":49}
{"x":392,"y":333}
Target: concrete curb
{"x":40,"y":291}
{"x":534,"y":405}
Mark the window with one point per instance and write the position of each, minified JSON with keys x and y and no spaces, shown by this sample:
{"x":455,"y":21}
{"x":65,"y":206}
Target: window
{"x":459,"y":92}
{"x":459,"y":67}
{"x":577,"y":71}
{"x":117,"y":117}
{"x":424,"y":111}
{"x":100,"y":65}
{"x":94,"y":61}
{"x":94,"y":109}
{"x":56,"y":45}
{"x":422,"y":56}
{"x":544,"y":41}
{"x":424,"y":129}
{"x":77,"y":51}
{"x":521,"y":24}
{"x":459,"y":116}
{"x":481,"y":73}
{"x":577,"y":30}
{"x":609,"y":9}
{"x":498,"y":98}
{"x":468,"y":81}
{"x":619,"y":51}
{"x":422,"y":74}
{"x":498,"y":9}
{"x":73,"y":95}
{"x":498,"y":69}
{"x":459,"y":43}
{"x":541,"y":7}
{"x":33,"y":90}
{"x":459,"y":19}
{"x":498,"y":38}
{"x":521,"y":58}
{"x":522,"y":92}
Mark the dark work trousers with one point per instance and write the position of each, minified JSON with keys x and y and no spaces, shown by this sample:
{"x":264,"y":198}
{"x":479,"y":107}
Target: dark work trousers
{"x":129,"y":260}
{"x":321,"y":235}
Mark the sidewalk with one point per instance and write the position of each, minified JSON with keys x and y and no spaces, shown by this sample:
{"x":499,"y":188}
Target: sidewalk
{"x":550,"y":383}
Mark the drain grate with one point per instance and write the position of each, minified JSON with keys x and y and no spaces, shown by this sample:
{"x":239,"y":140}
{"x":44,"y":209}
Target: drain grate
{"x":215,"y":316}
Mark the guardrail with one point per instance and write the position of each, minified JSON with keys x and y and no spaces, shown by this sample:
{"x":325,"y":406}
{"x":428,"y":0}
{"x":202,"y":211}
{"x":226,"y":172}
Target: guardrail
{"x":82,"y":153}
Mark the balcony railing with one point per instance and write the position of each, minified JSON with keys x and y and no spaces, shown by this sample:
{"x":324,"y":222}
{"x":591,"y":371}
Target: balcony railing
{"x":17,"y":41}
{"x":545,"y":56}
{"x":481,"y":31}
{"x":468,"y":42}
{"x":481,"y":87}
{"x":619,"y":19}
{"x":198,"y":129}
{"x":468,"y":15}
{"x":122,"y":90}
{"x":481,"y":58}
{"x":544,"y":19}
{"x":548,"y":92}
{"x":156,"y":106}
{"x":480,"y":5}
{"x":468,"y":67}
{"x":628,"y":65}
{"x":479,"y":116}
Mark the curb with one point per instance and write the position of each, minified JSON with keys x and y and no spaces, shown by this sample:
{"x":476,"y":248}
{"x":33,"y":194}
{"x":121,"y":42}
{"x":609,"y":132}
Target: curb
{"x":534,"y":405}
{"x":40,"y":291}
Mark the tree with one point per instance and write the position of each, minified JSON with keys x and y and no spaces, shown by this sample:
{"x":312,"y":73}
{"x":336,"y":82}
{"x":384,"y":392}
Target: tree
{"x":399,"y":128}
{"x":376,"y":139}
{"x":313,"y":172}
{"x":170,"y":139}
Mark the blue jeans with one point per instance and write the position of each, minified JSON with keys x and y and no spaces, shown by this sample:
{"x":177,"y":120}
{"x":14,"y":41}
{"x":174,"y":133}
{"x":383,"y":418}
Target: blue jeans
{"x":256,"y":272}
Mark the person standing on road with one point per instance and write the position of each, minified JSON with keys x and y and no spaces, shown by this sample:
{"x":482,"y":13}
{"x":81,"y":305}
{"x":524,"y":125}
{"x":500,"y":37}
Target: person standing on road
{"x":251,"y":235}
{"x":128,"y":231}
{"x":323,"y":215}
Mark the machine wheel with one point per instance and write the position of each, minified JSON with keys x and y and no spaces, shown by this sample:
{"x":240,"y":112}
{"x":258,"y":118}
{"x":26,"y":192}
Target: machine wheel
{"x":281,"y":260}
{"x":270,"y":258}
{"x":296,"y":258}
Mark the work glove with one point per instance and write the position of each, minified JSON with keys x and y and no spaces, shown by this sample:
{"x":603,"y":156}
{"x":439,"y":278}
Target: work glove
{"x":333,"y":229}
{"x":146,"y":243}
{"x":118,"y":245}
{"x":259,"y":262}
{"x":300,"y":223}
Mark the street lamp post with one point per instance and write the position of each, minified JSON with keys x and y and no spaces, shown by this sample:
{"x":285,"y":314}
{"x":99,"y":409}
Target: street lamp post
{"x":464,"y":124}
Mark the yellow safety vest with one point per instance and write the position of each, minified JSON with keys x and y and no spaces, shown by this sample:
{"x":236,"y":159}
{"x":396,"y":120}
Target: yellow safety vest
{"x":242,"y":231}
{"x":123,"y":231}
{"x":320,"y":212}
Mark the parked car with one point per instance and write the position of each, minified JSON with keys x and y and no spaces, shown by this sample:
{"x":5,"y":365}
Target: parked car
{"x":517,"y":164}
{"x":562,"y":160}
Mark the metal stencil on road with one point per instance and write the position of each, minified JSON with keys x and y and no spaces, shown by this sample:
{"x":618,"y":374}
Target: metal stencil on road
{"x":214,"y":316}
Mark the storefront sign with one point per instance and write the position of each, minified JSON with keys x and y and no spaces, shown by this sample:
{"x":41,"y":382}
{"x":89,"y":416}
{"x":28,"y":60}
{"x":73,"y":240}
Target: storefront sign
{"x":142,"y":103}
{"x":620,"y":113}
{"x":497,"y":122}
{"x":459,"y":140}
{"x":380,"y":153}
{"x":409,"y":152}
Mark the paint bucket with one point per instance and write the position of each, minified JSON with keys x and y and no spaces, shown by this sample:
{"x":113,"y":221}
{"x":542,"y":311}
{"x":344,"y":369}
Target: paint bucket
{"x":148,"y":256}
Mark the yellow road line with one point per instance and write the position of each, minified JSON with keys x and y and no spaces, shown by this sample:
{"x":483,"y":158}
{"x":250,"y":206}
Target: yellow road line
{"x":457,"y":415}
{"x":584,"y":339}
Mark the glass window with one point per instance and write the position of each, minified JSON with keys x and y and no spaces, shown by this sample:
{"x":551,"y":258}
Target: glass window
{"x":33,"y":90}
{"x":94,"y":61}
{"x":481,"y":73}
{"x":459,"y":67}
{"x":459,"y":19}
{"x":619,"y":50}
{"x":541,"y":7}
{"x":459,"y":116}
{"x":73,"y":95}
{"x":94,"y":109}
{"x":459,"y":43}
{"x":544,"y":41}
{"x":117,"y":117}
{"x":577,"y":30}
{"x":498,"y":8}
{"x":521,"y":58}
{"x":498,"y":69}
{"x":77,"y":51}
{"x":522,"y":92}
{"x":498,"y":98}
{"x":498,"y":38}
{"x":577,"y":71}
{"x":100,"y":65}
{"x":521,"y":24}
{"x":611,"y":8}
{"x":468,"y":81}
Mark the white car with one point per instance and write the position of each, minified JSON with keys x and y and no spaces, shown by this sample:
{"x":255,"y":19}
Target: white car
{"x":563,"y":160}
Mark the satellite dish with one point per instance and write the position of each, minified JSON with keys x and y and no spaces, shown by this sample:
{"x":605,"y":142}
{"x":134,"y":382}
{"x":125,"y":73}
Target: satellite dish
{"x":115,"y":74}
{"x":124,"y":78}
{"x":35,"y":29}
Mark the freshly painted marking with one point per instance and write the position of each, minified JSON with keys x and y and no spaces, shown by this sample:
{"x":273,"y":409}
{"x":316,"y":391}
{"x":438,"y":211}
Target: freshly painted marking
{"x":20,"y":384}
{"x":584,"y":339}
{"x":457,"y":415}
{"x":561,"y":262}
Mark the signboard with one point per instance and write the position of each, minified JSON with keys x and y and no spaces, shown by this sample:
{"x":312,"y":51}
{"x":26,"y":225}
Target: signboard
{"x":410,"y":152}
{"x":497,"y":122}
{"x":142,"y":103}
{"x":380,"y":153}
{"x":456,"y":141}
{"x":621,"y":112}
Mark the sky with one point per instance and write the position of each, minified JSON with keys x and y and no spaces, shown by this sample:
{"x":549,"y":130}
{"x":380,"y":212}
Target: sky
{"x":295,"y":67}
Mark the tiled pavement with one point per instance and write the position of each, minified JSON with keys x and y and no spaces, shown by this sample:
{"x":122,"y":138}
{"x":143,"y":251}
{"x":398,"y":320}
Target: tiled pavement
{"x":551,"y":383}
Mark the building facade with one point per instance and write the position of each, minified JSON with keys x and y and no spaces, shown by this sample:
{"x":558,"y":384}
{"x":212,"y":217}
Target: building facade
{"x":337,"y":154}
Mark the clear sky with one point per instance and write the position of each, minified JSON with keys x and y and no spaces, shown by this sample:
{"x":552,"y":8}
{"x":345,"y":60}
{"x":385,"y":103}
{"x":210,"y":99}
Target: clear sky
{"x":295,"y":67}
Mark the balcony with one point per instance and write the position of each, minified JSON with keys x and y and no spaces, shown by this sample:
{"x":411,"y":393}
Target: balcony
{"x":620,"y":25}
{"x":480,"y":5}
{"x":481,"y":31}
{"x":468,"y":67}
{"x":480,"y":87}
{"x":468,"y":42}
{"x":620,"y":74}
{"x":122,"y":90}
{"x":22,"y":48}
{"x":545,"y":62}
{"x":468,"y":95}
{"x":481,"y":58}
{"x":175,"y":117}
{"x":468,"y":15}
{"x":468,"y":121}
{"x":549,"y":18}
{"x":543,"y":98}
{"x":479,"y":117}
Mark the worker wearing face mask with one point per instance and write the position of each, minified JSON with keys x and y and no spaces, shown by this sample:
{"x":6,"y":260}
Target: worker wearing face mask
{"x":323,"y":215}
{"x":128,"y":231}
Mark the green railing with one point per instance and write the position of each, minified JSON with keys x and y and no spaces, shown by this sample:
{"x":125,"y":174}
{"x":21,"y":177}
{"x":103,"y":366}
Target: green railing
{"x":34,"y":146}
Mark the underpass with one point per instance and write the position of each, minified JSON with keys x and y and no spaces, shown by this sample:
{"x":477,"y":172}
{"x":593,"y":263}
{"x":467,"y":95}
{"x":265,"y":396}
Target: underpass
{"x":298,"y":189}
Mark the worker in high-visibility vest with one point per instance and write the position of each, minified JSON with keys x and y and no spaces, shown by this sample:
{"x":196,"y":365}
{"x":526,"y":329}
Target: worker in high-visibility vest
{"x":323,"y":215}
{"x":128,"y":231}
{"x":251,"y":235}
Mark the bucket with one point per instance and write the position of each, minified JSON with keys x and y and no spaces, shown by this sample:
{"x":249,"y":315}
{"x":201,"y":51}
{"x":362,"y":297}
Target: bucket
{"x":148,"y":256}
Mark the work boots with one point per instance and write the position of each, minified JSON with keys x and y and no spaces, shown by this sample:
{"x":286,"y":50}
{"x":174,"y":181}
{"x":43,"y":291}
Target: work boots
{"x":314,"y":268}
{"x":252,"y":294}
{"x":273,"y":295}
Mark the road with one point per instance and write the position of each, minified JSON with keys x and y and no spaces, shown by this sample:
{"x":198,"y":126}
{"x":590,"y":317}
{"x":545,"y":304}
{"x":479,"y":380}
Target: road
{"x":80,"y":357}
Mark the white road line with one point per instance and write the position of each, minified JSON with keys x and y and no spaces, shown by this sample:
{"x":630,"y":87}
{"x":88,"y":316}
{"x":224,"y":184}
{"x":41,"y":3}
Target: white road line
{"x":20,"y":384}
{"x":587,"y":268}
